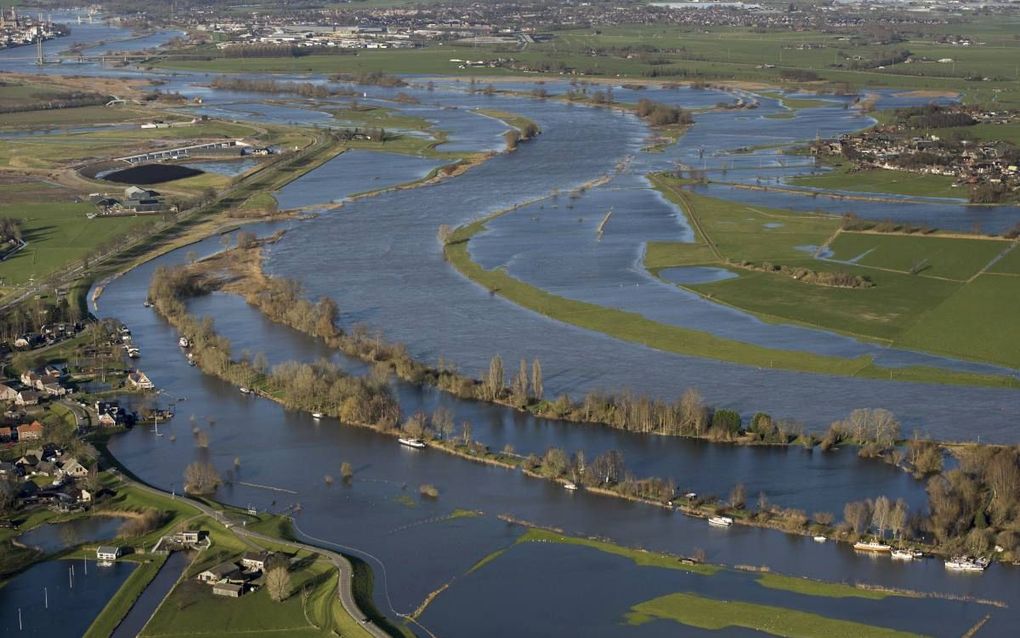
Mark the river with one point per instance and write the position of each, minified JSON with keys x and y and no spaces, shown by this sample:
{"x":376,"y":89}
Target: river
{"x":379,"y":258}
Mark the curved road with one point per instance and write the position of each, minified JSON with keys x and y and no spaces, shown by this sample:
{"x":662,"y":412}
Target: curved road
{"x":344,"y":568}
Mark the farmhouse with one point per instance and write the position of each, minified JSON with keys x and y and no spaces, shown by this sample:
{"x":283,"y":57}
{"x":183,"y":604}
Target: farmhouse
{"x":31,"y":431}
{"x":219,"y":573}
{"x":228,"y":589}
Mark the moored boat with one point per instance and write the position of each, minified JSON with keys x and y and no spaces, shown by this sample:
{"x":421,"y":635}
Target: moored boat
{"x":570,"y":486}
{"x":872,"y":546}
{"x":317,"y":415}
{"x":183,"y":342}
{"x":902,"y":554}
{"x":966,"y":564}
{"x":720,"y":521}
{"x":415,"y":443}
{"x":820,"y":539}
{"x":244,"y":390}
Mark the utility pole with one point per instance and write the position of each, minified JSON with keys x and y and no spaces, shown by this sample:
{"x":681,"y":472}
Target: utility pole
{"x":39,"y":47}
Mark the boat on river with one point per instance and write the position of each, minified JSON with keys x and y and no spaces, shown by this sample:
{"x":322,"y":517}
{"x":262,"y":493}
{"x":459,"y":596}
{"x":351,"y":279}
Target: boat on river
{"x":820,"y":539}
{"x":570,"y":486}
{"x":966,"y":564}
{"x":317,"y":415}
{"x":872,"y":546}
{"x":245,"y":390}
{"x":902,"y":554}
{"x":720,"y":521}
{"x":183,"y":342}
{"x":415,"y":443}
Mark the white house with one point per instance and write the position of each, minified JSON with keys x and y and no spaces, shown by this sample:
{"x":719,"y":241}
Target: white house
{"x":108,"y":552}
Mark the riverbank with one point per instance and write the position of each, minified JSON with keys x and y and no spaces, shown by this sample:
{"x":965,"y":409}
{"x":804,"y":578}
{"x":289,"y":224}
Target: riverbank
{"x":240,"y":273}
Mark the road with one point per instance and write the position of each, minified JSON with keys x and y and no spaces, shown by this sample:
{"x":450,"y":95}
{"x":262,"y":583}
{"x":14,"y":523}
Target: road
{"x":345,"y":584}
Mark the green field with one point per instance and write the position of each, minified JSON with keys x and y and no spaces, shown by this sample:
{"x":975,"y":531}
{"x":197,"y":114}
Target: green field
{"x":878,"y":180}
{"x":958,"y":259}
{"x":713,"y":614}
{"x":900,"y":309}
{"x":58,"y":235}
{"x":640,"y":557}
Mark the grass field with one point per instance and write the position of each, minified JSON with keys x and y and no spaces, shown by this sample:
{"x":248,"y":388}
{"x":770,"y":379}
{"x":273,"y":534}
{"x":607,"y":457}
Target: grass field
{"x":811,"y":587}
{"x":58,"y":234}
{"x":958,"y":259}
{"x":375,"y":116}
{"x":900,"y":309}
{"x":880,"y":180}
{"x":713,"y":614}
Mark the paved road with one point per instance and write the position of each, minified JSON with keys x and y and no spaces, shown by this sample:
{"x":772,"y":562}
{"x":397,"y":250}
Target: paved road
{"x":343,"y":566}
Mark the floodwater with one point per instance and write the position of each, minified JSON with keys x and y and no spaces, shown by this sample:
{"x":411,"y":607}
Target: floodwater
{"x":53,"y":537}
{"x":379,"y":259}
{"x":51,"y":602}
{"x":353,"y":172}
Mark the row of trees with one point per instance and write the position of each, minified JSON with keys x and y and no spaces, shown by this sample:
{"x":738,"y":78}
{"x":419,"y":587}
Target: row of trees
{"x":658,"y":114}
{"x":305,"y":89}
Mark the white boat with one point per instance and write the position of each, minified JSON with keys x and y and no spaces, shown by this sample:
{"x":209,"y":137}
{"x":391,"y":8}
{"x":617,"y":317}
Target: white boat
{"x":317,"y":415}
{"x":902,"y":554}
{"x":570,"y":486}
{"x":244,"y":390}
{"x":820,"y":539}
{"x":183,"y":342}
{"x":720,"y":521}
{"x":147,"y":304}
{"x":965,"y":564}
{"x":691,"y":496}
{"x":415,"y":443}
{"x":872,"y":546}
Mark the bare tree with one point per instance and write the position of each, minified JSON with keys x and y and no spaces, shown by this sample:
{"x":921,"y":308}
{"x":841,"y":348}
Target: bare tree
{"x":278,"y":583}
{"x":201,"y":478}
{"x":898,"y":518}
{"x":693,"y":413}
{"x":536,"y":379}
{"x":857,"y":515}
{"x":738,"y":497}
{"x":880,"y":515}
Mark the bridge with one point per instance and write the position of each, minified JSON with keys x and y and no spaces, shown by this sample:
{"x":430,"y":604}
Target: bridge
{"x":180,"y":152}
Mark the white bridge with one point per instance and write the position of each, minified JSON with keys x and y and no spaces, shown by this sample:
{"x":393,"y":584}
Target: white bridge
{"x":181,"y":152}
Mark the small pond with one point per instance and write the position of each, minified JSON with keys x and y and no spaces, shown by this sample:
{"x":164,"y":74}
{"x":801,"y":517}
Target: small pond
{"x":152,"y":174}
{"x":696,"y":274}
{"x":53,"y":537}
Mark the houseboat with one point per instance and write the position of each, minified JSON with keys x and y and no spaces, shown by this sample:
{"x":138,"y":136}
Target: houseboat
{"x":966,"y":564}
{"x":415,"y":443}
{"x":902,"y":554}
{"x":872,"y":546}
{"x":720,"y":521}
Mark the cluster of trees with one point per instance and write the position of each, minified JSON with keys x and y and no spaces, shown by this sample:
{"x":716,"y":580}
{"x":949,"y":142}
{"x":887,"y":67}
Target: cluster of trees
{"x":889,"y":59}
{"x":878,"y":516}
{"x":61,"y":101}
{"x":834,"y":278}
{"x":10,"y":230}
{"x":278,"y":51}
{"x":304,"y":89}
{"x":201,"y":478}
{"x":605,"y":471}
{"x":853,"y":222}
{"x":370,"y":78}
{"x":976,"y":506}
{"x":933,"y":116}
{"x":875,"y":430}
{"x":32,"y":314}
{"x":318,"y":387}
{"x":658,"y":114}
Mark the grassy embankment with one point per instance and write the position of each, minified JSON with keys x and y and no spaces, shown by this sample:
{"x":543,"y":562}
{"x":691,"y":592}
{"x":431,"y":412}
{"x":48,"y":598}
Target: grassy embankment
{"x":634,"y":327}
{"x":714,"y":614}
{"x":953,"y":287}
